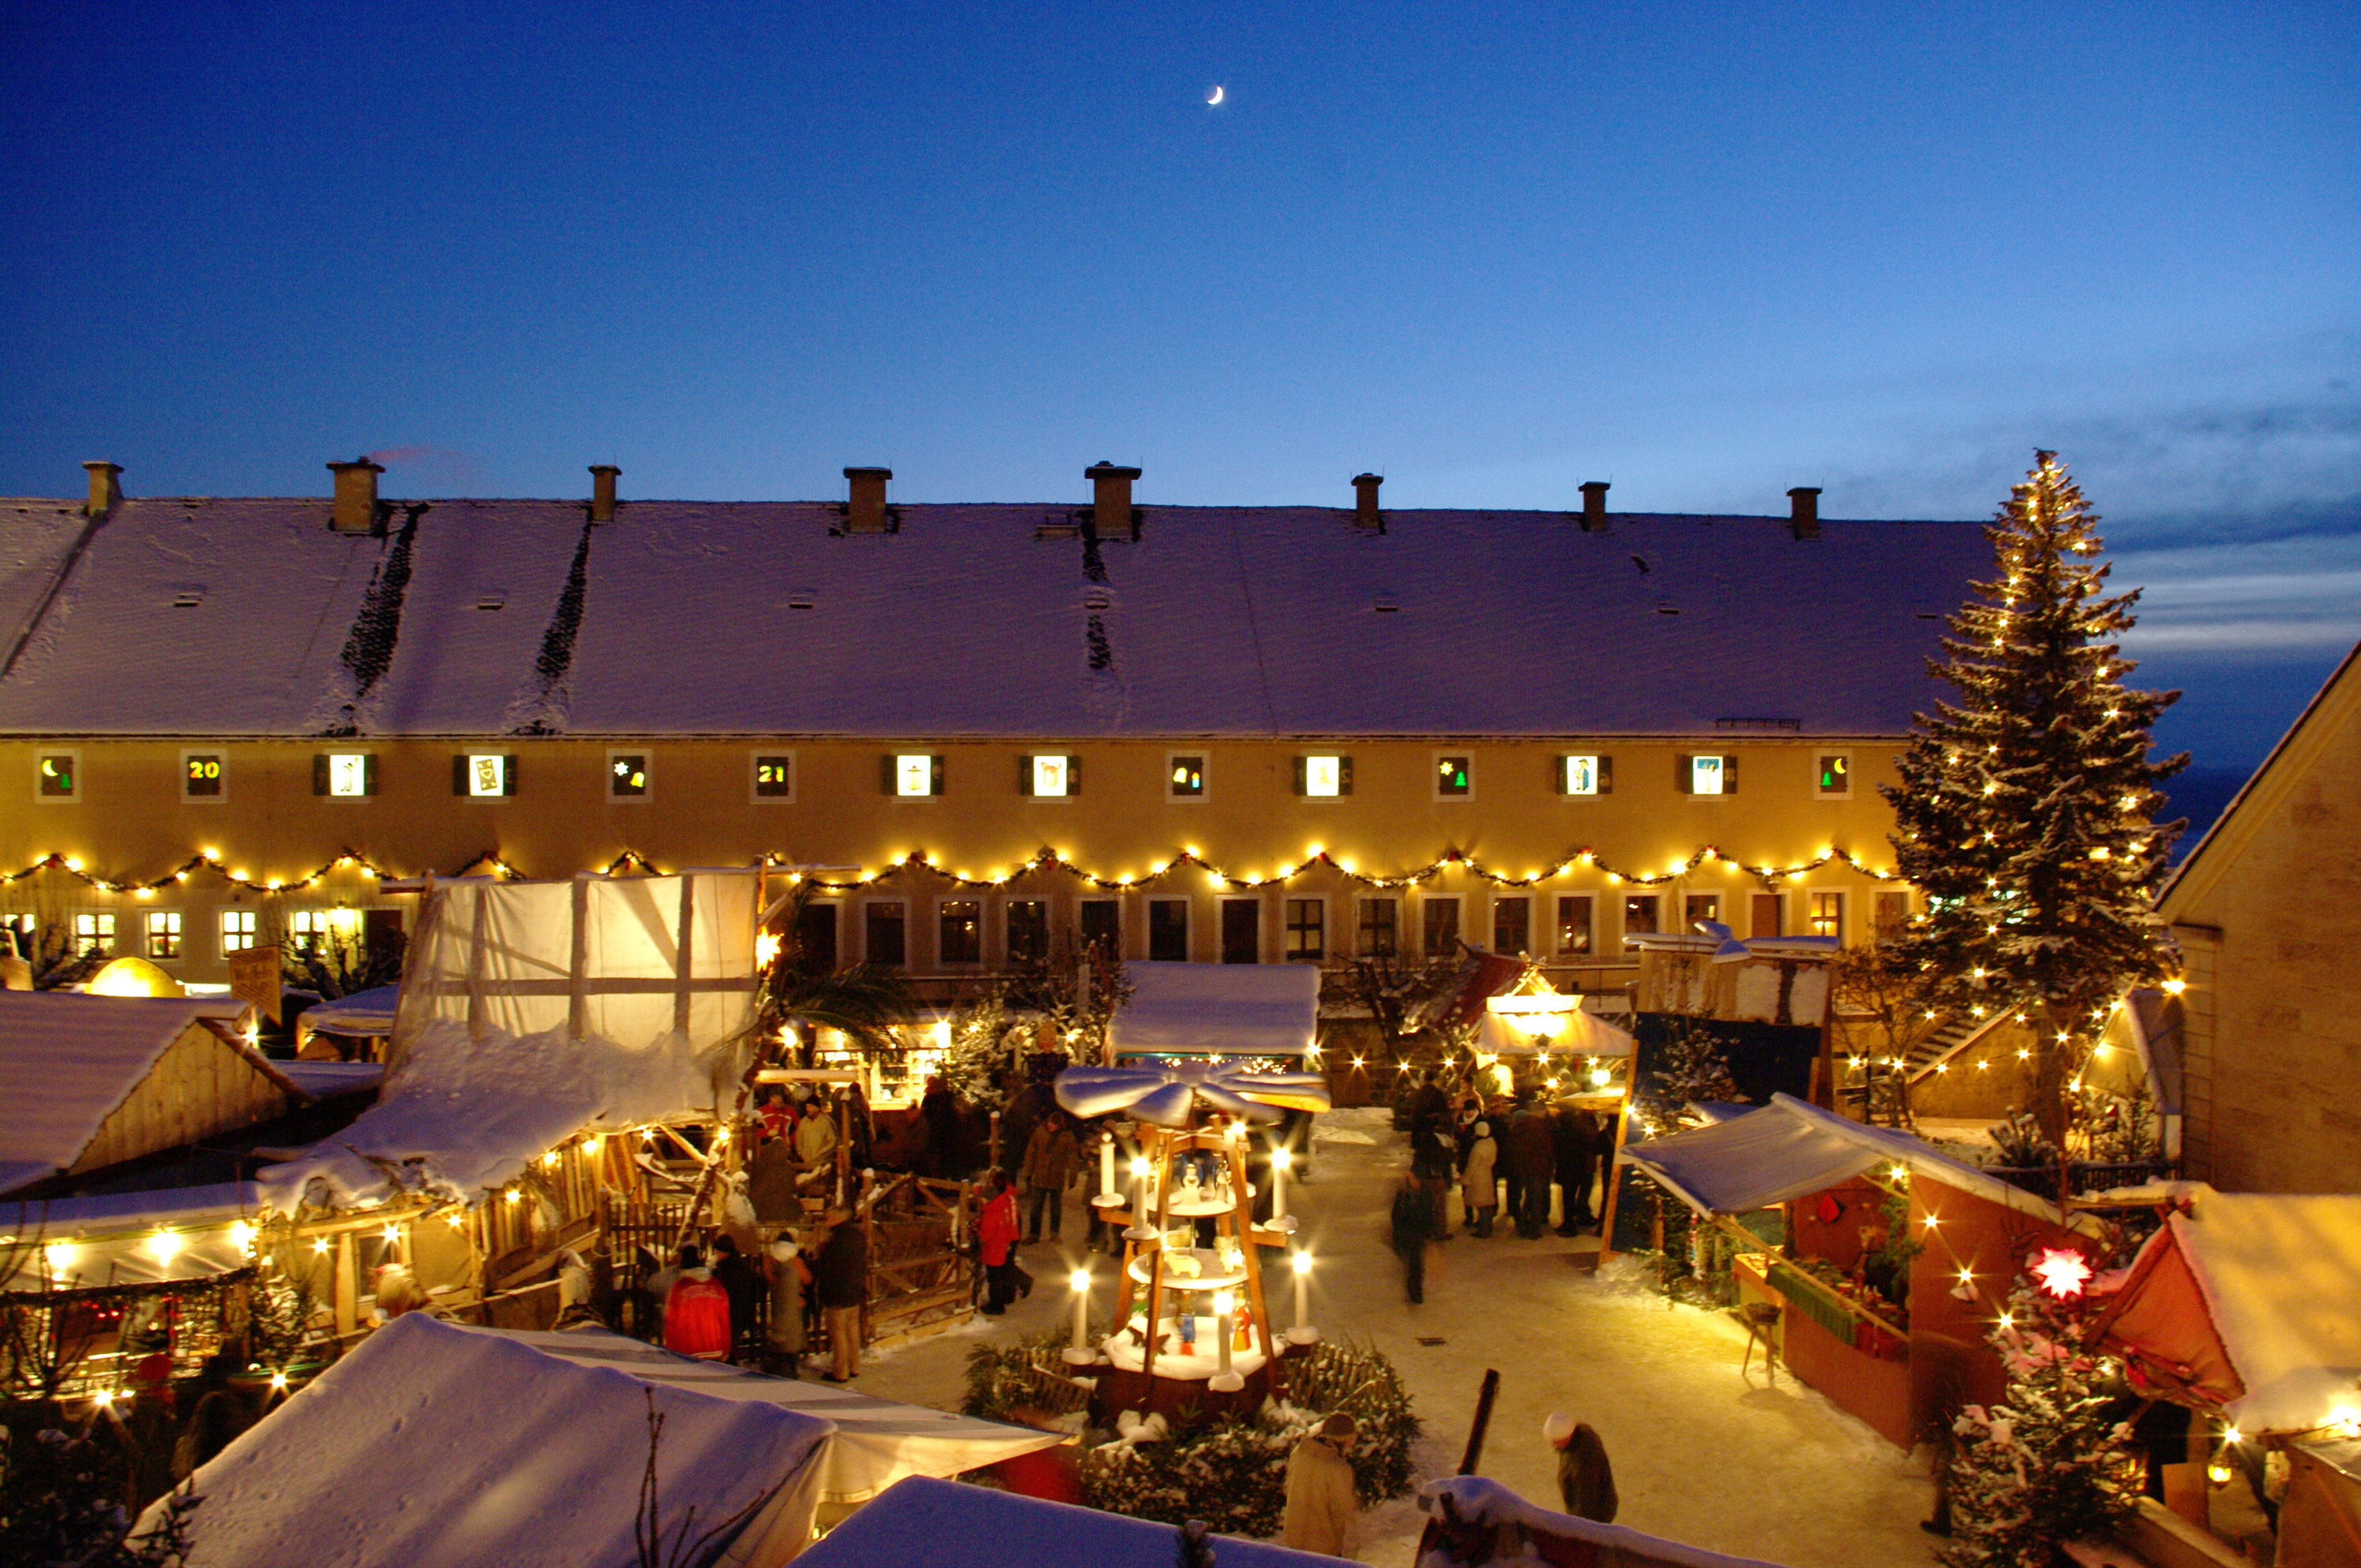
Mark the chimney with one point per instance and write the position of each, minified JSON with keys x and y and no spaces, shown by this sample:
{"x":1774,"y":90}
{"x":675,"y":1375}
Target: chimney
{"x":866,"y":512}
{"x":1365,"y":502}
{"x":602,"y":491}
{"x":1804,"y":514}
{"x":1111,"y":499}
{"x":1594,"y":507}
{"x":356,"y":508}
{"x":104,"y":492}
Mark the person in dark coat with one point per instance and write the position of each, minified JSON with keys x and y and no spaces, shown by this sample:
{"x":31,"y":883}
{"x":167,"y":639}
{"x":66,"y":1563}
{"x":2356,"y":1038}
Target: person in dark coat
{"x":840,"y":1280}
{"x":1576,"y":1147}
{"x":738,"y":1275}
{"x":1584,"y":1480}
{"x":1531,"y":1154}
{"x":1431,"y":1164}
{"x":938,"y":1109}
{"x":1413,"y":1227}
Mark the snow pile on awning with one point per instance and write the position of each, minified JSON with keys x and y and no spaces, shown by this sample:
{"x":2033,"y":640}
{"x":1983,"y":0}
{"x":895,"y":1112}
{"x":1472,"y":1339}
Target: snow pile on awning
{"x":70,"y":1060}
{"x":924,"y":1523}
{"x":1561,"y":1538}
{"x":1790,"y":1149}
{"x":128,"y":1238}
{"x":434,"y":1446}
{"x":367,"y":1011}
{"x":533,"y":1011}
{"x":2251,"y":1304}
{"x":875,"y":1442}
{"x":1239,"y":1010}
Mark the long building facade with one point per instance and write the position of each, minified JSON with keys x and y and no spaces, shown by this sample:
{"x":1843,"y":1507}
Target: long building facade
{"x":1261,"y":734}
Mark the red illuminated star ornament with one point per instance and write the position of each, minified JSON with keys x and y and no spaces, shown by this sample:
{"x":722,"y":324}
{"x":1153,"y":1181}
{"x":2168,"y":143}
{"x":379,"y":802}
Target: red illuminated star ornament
{"x":2063,"y":1272}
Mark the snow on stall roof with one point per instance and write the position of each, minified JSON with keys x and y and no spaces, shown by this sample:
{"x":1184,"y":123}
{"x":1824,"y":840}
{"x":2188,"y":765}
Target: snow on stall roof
{"x":926,"y":1523}
{"x":876,"y":1442}
{"x":367,"y":1011}
{"x":69,"y":1060}
{"x":1271,"y":1010}
{"x":1218,"y":621}
{"x":110,"y":1238}
{"x":432,"y":1446}
{"x":2281,"y":1274}
{"x":1481,"y":1500}
{"x":321,"y":1078}
{"x":1791,"y":1147}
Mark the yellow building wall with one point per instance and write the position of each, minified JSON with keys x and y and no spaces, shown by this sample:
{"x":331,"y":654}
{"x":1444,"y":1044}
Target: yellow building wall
{"x":130,"y":823}
{"x":2267,"y":932}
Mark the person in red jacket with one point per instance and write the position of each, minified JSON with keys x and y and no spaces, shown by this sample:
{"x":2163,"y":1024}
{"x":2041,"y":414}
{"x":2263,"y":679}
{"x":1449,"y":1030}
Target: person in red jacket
{"x":697,"y":1311}
{"x":996,"y":1233}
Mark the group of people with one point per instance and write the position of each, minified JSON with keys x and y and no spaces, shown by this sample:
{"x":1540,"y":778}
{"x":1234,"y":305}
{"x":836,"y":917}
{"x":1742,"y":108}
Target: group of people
{"x":760,"y":1311}
{"x":1524,"y":1144}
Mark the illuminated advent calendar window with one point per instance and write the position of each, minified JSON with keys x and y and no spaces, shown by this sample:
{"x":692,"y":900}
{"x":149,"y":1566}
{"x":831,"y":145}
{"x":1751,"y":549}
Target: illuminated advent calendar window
{"x":1583,"y":775}
{"x":201,"y":776}
{"x":774,"y":777}
{"x":1705,"y":775}
{"x":914,"y":774}
{"x":1054,"y":776}
{"x":487,"y":775}
{"x":627,"y":775}
{"x":1323,"y":778}
{"x":1188,"y":780}
{"x":345,"y":776}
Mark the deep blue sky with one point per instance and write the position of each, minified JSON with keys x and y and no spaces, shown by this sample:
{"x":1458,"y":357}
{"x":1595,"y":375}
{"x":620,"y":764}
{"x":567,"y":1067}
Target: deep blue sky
{"x":1705,"y":252}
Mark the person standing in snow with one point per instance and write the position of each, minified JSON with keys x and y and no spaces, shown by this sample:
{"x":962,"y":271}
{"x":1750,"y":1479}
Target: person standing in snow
{"x":742,"y":1282}
{"x":1323,"y":1502}
{"x":995,"y":1235}
{"x":1533,"y":1157}
{"x":1051,"y":1157}
{"x":840,"y":1280}
{"x":939,"y":1111}
{"x":788,"y":1276}
{"x":1479,"y":1186}
{"x":697,"y":1311}
{"x":1576,"y":1136}
{"x":1584,"y":1480}
{"x":1414,"y":1228}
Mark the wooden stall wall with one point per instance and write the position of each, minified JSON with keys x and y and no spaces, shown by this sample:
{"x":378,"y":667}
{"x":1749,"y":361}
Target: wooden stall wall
{"x":200,"y":1087}
{"x":1951,"y":1365}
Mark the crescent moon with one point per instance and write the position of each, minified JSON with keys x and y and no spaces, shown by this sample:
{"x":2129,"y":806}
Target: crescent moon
{"x":1215,"y":99}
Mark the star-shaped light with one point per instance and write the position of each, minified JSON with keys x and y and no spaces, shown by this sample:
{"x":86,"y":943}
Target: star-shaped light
{"x":2063,"y":1272}
{"x":1167,"y":1096}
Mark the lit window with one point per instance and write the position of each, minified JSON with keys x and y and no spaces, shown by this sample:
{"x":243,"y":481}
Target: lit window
{"x":93,"y":934}
{"x":1323,"y":778}
{"x":237,"y":930}
{"x":1583,"y":775}
{"x":913,"y":775}
{"x":627,"y":775}
{"x":1828,"y":915}
{"x":1451,"y":776}
{"x":1893,"y":915}
{"x":1707,"y":775}
{"x":308,"y":930}
{"x":164,"y":933}
{"x":1052,"y":775}
{"x":774,"y":777}
{"x":345,"y":776}
{"x":1701,"y":906}
{"x":59,"y":775}
{"x":1307,"y":930}
{"x":201,"y":776}
{"x":1381,"y":920}
{"x":1188,"y":778}
{"x":1835,"y":774}
{"x":490,"y":775}
{"x":1638,"y":914}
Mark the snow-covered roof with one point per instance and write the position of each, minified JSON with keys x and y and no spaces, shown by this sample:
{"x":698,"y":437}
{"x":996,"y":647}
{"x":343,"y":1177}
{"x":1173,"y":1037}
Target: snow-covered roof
{"x":875,"y":1442}
{"x":1561,"y":1538}
{"x":925,"y":1523}
{"x":688,"y":618}
{"x":2272,"y":1331}
{"x":98,"y":1242}
{"x":367,"y":1011}
{"x":1257,"y":1010}
{"x":1789,"y":1149}
{"x":431,"y":1445}
{"x":69,"y":1060}
{"x":321,"y":1079}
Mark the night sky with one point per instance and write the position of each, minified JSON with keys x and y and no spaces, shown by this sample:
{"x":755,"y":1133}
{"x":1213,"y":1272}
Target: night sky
{"x":1704,"y":252}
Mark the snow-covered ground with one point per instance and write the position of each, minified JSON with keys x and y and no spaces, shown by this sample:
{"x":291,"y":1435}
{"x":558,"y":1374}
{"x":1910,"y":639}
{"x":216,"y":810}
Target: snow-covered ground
{"x":1700,"y":1454}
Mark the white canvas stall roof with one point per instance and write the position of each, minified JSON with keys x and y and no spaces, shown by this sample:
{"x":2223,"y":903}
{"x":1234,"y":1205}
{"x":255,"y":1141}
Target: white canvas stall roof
{"x":875,"y":1442}
{"x":2280,"y":1279}
{"x":506,"y":1044}
{"x":1579,"y":1031}
{"x":432,"y":1446}
{"x":70,"y":1060}
{"x":111,"y":1239}
{"x":1789,"y":1149}
{"x":367,"y":1011}
{"x":686,"y":627}
{"x":926,"y":1523}
{"x":1249,"y":1010}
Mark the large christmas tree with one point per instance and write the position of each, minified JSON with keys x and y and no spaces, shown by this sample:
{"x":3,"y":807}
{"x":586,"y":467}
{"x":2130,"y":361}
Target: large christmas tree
{"x":2024,"y":810}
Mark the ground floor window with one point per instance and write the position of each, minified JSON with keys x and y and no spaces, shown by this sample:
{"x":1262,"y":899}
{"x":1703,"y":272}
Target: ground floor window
{"x":1307,"y":929}
{"x":1101,"y":925}
{"x":1512,"y":921}
{"x":1380,"y":935}
{"x":1638,"y":914}
{"x":1241,"y":931}
{"x":1574,"y":925}
{"x":237,"y":930}
{"x":1828,"y":915}
{"x":164,"y":933}
{"x":1700,"y":906}
{"x":1028,"y":930}
{"x":960,"y":931}
{"x":888,"y":935}
{"x":1442,"y":915}
{"x":93,"y":934}
{"x":1167,"y":930}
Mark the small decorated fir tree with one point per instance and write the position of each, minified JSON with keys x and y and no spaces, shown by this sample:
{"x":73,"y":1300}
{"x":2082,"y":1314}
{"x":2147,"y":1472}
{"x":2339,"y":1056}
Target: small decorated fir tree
{"x":2048,"y":1466}
{"x":2023,"y":806}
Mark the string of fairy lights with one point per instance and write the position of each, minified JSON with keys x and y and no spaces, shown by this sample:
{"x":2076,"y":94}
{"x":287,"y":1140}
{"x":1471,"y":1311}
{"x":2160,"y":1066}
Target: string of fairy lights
{"x":1184,"y":862}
